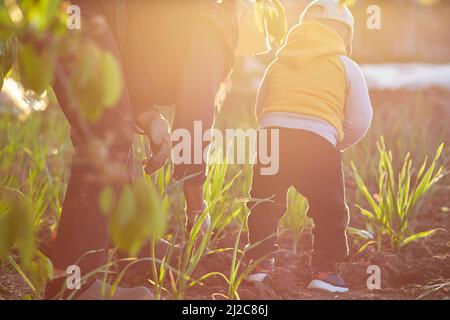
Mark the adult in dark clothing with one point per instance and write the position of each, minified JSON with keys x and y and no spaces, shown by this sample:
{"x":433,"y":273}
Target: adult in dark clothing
{"x":170,"y":52}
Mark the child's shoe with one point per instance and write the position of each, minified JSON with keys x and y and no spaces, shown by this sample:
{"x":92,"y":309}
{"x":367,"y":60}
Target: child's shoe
{"x":262,"y":271}
{"x":328,"y":281}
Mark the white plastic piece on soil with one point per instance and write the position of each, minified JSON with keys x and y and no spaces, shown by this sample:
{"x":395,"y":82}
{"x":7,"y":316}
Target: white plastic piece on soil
{"x":257,"y":277}
{"x":321,"y":285}
{"x":412,"y":76}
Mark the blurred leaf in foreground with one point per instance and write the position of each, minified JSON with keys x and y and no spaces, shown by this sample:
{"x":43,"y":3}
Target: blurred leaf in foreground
{"x":135,"y":217}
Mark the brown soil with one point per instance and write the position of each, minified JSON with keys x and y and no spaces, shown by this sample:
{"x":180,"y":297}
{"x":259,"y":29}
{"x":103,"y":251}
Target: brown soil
{"x":419,"y":270}
{"x":408,"y":274}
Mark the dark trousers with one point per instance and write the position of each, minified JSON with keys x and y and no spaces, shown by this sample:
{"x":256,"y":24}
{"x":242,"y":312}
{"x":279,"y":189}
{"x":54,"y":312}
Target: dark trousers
{"x":192,"y":86}
{"x":82,"y":227}
{"x":174,"y":57}
{"x":313,"y":166}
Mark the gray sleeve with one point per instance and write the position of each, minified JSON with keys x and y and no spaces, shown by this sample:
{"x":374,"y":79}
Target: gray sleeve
{"x":358,"y":108}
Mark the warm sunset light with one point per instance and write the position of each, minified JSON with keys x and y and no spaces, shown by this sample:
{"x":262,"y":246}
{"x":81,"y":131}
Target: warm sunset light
{"x":224,"y":150}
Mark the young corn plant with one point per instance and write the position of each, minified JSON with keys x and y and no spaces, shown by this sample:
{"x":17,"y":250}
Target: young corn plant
{"x":33,"y":175}
{"x":156,"y":249}
{"x":172,"y":271}
{"x":198,"y":242}
{"x":295,"y":219}
{"x":391,"y":210}
{"x":239,"y":270}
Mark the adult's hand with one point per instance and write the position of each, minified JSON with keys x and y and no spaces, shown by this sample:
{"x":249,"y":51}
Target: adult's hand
{"x":157,"y":130}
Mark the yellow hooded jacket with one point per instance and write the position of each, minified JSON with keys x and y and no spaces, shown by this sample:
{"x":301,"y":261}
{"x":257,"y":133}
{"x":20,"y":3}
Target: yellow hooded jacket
{"x":308,"y":76}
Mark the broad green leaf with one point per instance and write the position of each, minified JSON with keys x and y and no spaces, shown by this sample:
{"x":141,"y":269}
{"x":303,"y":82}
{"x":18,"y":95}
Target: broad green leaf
{"x":111,"y":78}
{"x":36,"y":69}
{"x":1,"y":78}
{"x":106,"y":200}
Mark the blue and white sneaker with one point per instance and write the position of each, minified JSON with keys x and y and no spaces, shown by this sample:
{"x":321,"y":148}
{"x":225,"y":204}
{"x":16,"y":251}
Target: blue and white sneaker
{"x":328,"y":281}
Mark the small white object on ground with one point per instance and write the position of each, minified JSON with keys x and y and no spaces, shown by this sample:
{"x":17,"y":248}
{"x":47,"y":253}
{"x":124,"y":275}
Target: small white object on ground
{"x":321,"y":285}
{"x":257,"y":277}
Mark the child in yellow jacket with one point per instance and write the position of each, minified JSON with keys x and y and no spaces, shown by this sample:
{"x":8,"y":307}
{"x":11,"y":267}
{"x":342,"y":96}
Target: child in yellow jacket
{"x":317,"y":99}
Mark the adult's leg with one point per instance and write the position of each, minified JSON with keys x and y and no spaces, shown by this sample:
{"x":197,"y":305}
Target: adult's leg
{"x":82,"y":226}
{"x":202,"y":74}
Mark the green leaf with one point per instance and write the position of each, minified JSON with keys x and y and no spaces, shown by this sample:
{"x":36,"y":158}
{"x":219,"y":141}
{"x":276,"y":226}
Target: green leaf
{"x":7,"y":235}
{"x":8,"y":51}
{"x":1,"y":78}
{"x":260,"y":7}
{"x":417,"y":236}
{"x":363,"y":188}
{"x":366,"y":212}
{"x":24,"y":225}
{"x":106,"y":200}
{"x":36,"y":70}
{"x":348,"y":3}
{"x":40,"y":15}
{"x":271,"y":20}
{"x":365,"y":246}
{"x":97,"y":81}
{"x":17,"y":225}
{"x":137,"y":217}
{"x":439,"y":152}
{"x":126,"y":207}
{"x":40,"y":271}
{"x":111,"y":78}
{"x":277,"y":21}
{"x":360,"y":233}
